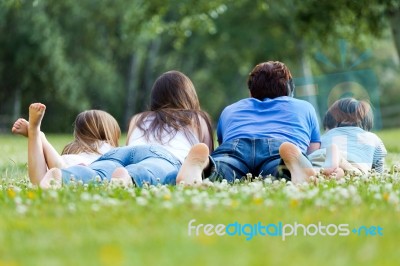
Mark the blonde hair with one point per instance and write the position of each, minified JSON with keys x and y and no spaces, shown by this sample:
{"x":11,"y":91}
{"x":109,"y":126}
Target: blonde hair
{"x":91,"y":129}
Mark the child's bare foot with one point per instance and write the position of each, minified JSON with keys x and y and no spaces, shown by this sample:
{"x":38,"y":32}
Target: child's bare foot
{"x":193,"y":166}
{"x":347,"y":166}
{"x":20,"y":127}
{"x":52,"y":179}
{"x":299,"y":166}
{"x":121,"y":177}
{"x":332,"y":159}
{"x":36,"y":113}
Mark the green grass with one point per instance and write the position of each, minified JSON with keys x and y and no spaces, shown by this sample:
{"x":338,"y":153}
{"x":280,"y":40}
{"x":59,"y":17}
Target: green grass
{"x":99,"y":224}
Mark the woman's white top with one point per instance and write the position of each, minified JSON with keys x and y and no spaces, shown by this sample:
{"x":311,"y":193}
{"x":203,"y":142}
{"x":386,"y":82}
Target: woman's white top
{"x":178,"y":144}
{"x":85,"y":158}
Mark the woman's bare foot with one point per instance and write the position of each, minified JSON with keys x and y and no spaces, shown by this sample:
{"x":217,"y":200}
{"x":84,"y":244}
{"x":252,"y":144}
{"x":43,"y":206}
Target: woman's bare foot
{"x":52,"y":179}
{"x":299,"y":166}
{"x":36,"y":113}
{"x":193,"y":166}
{"x":121,"y":177}
{"x":20,"y":127}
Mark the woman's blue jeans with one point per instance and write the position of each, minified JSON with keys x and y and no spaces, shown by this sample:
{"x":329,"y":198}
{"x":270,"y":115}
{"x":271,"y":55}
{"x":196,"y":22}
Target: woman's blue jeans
{"x":234,"y":159}
{"x":150,"y":164}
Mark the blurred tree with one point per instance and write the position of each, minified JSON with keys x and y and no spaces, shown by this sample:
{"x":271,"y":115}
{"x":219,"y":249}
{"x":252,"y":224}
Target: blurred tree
{"x":106,"y":54}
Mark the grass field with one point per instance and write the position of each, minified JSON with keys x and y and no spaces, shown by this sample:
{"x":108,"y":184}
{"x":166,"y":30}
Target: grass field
{"x":99,"y":224}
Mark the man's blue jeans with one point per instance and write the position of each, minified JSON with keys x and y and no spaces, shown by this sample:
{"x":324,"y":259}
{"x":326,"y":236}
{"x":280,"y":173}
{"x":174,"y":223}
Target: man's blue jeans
{"x":234,"y":159}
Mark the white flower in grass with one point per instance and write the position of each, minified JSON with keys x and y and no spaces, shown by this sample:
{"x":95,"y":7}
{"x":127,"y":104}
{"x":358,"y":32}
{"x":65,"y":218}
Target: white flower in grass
{"x":21,"y":209}
{"x":167,"y":205}
{"x":378,"y":196}
{"x":393,"y":198}
{"x":269,"y":202}
{"x":373,"y":188}
{"x":178,"y":199}
{"x":222,"y":195}
{"x":292,"y":192}
{"x":110,"y":202}
{"x":141,"y":201}
{"x":71,"y":207}
{"x":18,"y":200}
{"x":388,"y":187}
{"x":210,"y":203}
{"x":95,"y":207}
{"x":226,"y":202}
{"x":321,"y":202}
{"x":268,"y":180}
{"x":234,"y":190}
{"x":196,"y":201}
{"x":85,"y":196}
{"x":145,"y":193}
{"x":309,"y":194}
{"x":53,"y":194}
{"x":97,"y":197}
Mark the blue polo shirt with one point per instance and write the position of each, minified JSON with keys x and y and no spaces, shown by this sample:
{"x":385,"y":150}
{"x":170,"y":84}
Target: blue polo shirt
{"x":286,"y":118}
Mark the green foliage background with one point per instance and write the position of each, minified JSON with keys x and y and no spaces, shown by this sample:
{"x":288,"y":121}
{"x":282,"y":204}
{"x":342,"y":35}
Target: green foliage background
{"x":76,"y":55}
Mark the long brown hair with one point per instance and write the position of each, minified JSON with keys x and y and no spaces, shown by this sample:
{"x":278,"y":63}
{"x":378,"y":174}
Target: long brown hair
{"x":174,"y":106}
{"x":91,"y":129}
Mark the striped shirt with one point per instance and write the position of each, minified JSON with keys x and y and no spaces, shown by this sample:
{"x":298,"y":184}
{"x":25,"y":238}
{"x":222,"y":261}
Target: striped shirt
{"x":365,"y":150}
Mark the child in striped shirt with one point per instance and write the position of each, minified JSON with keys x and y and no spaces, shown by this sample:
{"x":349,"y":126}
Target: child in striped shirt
{"x":347,"y":145}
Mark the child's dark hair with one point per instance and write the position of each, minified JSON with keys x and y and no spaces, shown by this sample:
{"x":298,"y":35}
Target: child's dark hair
{"x":349,"y":112}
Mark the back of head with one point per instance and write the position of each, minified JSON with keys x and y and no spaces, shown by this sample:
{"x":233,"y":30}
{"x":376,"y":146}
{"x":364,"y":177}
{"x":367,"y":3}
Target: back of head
{"x":349,"y":112}
{"x":91,"y":129}
{"x":270,"y":79}
{"x":174,"y":106}
{"x":174,"y":90}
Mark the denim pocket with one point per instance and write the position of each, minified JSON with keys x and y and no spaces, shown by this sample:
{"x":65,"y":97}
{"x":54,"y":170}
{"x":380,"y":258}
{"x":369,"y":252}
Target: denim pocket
{"x":274,"y":145}
{"x":164,"y":154}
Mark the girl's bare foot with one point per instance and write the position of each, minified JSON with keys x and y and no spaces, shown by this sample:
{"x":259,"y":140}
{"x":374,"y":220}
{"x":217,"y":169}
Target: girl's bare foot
{"x":193,"y":166}
{"x":299,"y":166}
{"x":36,"y":113}
{"x":52,"y":179}
{"x":20,"y":127}
{"x":121,"y":177}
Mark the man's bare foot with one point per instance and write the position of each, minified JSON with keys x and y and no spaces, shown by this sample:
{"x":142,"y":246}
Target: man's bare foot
{"x":193,"y":166}
{"x":20,"y":127}
{"x":52,"y":179}
{"x":36,"y":113}
{"x":121,"y":177}
{"x":299,"y":166}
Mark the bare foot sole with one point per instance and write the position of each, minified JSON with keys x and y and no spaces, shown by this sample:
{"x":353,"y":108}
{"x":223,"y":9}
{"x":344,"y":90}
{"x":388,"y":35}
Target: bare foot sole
{"x":20,"y":127}
{"x":193,"y":166}
{"x":299,"y":166}
{"x":121,"y":177}
{"x":52,"y":179}
{"x":36,"y":113}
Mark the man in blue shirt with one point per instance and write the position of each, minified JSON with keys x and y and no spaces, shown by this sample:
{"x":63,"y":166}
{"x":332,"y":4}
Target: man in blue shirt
{"x":251,"y":130}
